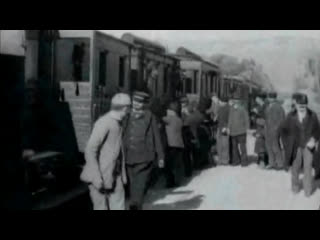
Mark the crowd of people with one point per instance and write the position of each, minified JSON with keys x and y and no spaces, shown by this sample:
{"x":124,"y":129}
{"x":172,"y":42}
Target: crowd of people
{"x":180,"y":136}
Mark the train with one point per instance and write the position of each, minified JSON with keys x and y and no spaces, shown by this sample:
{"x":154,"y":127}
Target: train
{"x":201,"y":78}
{"x":69,"y":78}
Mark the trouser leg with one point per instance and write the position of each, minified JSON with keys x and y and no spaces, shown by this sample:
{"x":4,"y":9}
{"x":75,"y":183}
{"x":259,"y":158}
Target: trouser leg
{"x":225,"y":149}
{"x":98,"y":199}
{"x":117,"y":197}
{"x":242,"y":139}
{"x":115,"y":201}
{"x":307,"y":170}
{"x":219,"y":147}
{"x":279,"y":158}
{"x":235,"y":151}
{"x":178,"y":166}
{"x":139,"y":175}
{"x":295,"y":171}
{"x":187,"y":162}
{"x":169,"y":168}
{"x":270,"y":152}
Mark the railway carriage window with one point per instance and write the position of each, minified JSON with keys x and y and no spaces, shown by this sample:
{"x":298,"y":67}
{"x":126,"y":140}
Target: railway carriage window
{"x":165,"y":80}
{"x":134,"y":80}
{"x":103,"y":68}
{"x":121,"y":71}
{"x":72,"y":59}
{"x":211,"y":83}
{"x":156,"y":86}
{"x":195,"y":81}
{"x":189,"y":85}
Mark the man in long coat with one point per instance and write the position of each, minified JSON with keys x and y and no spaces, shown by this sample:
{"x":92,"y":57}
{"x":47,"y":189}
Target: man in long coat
{"x":260,"y":146}
{"x":304,"y":123}
{"x":143,"y":148}
{"x":288,"y":138}
{"x":274,"y":116}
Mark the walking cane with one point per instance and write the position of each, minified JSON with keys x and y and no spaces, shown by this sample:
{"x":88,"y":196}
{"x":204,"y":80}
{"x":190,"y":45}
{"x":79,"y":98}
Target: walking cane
{"x":104,"y":191}
{"x":101,"y":175}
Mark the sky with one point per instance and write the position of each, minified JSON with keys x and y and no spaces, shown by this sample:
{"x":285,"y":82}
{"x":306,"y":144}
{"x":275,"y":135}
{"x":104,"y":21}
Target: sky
{"x":279,"y":51}
{"x":171,"y":37}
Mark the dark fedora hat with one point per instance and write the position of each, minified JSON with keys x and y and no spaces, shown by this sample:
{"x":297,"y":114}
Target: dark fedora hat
{"x":302,"y":99}
{"x":272,"y":95}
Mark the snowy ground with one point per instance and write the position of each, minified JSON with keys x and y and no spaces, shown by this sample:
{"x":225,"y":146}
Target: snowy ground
{"x":234,"y":188}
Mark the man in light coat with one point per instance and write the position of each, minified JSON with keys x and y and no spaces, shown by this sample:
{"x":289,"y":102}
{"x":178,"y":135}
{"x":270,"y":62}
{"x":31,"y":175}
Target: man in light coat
{"x":238,"y":125}
{"x":105,"y":164}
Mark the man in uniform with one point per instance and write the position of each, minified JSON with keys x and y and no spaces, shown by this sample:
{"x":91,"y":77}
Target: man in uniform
{"x":143,"y":147}
{"x":274,"y":116}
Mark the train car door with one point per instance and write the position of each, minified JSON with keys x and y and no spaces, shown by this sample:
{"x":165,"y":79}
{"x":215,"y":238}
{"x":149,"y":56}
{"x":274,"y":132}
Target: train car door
{"x":100,"y":94}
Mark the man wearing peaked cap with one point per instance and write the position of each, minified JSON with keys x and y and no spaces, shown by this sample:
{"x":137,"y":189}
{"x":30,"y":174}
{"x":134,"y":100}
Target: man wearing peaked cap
{"x":143,"y":147}
{"x":105,"y":165}
{"x":141,"y":97}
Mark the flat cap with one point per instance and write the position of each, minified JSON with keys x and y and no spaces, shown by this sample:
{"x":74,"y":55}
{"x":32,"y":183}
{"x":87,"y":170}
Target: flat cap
{"x":121,"y":99}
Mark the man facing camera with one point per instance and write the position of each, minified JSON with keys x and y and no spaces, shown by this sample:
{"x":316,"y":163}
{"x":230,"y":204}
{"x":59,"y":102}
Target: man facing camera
{"x":143,"y":148}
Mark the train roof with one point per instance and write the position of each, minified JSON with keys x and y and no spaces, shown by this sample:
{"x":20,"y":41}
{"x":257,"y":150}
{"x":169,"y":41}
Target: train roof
{"x":185,"y":54}
{"x":114,"y":38}
{"x":237,"y":78}
{"x":90,"y":34}
{"x":142,"y":42}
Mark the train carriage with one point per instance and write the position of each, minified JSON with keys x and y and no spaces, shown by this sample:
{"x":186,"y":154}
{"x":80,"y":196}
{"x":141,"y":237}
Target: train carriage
{"x":91,"y":67}
{"x":201,"y":78}
{"x":152,"y":68}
